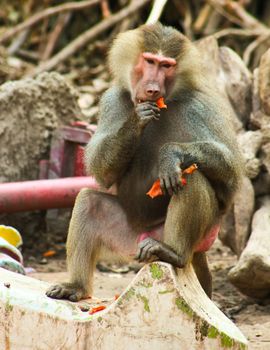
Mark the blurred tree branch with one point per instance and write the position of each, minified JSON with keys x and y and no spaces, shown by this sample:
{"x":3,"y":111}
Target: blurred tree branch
{"x":71,"y":6}
{"x":88,"y":35}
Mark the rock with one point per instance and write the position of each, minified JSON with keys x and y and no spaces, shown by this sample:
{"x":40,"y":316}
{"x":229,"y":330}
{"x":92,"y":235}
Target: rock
{"x":243,"y":209}
{"x":91,"y":114}
{"x":86,"y":101}
{"x":250,"y":143}
{"x":266,"y":156}
{"x":262,"y":184}
{"x":100,"y":85}
{"x":158,"y":310}
{"x":237,"y":83}
{"x":227,"y":233}
{"x":30,"y":109}
{"x":208,"y":48}
{"x":251,"y":275}
{"x":256,"y":103}
{"x":232,"y":78}
{"x":236,"y":224}
{"x":258,"y":118}
{"x":264,"y":82}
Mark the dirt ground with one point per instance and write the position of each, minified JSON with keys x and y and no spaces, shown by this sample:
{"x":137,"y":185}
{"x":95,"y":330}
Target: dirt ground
{"x":252,"y":317}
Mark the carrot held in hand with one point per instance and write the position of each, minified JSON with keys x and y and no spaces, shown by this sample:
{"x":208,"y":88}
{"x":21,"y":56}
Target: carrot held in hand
{"x":160,"y":103}
{"x":155,"y":190}
{"x":190,"y":169}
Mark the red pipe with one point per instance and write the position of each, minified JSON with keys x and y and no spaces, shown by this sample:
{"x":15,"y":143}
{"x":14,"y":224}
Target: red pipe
{"x":42,"y":194}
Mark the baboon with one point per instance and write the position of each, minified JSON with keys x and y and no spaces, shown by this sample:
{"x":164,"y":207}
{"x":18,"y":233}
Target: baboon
{"x":137,"y":143}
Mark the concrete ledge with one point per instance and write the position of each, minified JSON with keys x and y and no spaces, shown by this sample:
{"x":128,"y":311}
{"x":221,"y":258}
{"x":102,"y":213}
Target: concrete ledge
{"x":158,"y":310}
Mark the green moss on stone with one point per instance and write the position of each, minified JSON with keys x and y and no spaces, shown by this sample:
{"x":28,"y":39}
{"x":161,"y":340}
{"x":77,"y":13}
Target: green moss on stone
{"x":226,"y":341}
{"x":145,"y":302}
{"x":166,"y":291}
{"x":183,"y":306}
{"x":212,"y":332}
{"x":129,"y":294}
{"x":146,"y":284}
{"x":8,"y":307}
{"x":156,"y":271}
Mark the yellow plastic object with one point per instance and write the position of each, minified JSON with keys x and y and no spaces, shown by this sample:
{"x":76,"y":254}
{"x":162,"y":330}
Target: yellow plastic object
{"x":11,"y":235}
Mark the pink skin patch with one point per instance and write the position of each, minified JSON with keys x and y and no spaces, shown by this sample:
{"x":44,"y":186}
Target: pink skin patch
{"x":159,"y":58}
{"x":203,"y":246}
{"x":208,"y":240}
{"x":153,"y":234}
{"x":157,"y":234}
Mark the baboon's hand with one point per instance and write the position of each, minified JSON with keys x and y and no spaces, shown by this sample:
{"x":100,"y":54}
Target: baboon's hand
{"x":170,"y":177}
{"x":147,"y":111}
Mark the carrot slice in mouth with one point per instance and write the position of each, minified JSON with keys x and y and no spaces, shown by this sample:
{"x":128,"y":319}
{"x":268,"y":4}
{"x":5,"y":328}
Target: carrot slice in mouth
{"x":155,"y":190}
{"x":160,"y":103}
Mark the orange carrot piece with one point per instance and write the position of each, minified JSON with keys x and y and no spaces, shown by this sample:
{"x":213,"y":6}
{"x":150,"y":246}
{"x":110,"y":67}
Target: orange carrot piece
{"x":160,"y":103}
{"x":116,"y":296}
{"x":190,"y":169}
{"x":97,"y":309}
{"x":49,"y":253}
{"x":155,"y":190}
